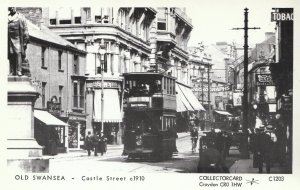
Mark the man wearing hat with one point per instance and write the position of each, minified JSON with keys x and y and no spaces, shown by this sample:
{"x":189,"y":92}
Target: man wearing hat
{"x":262,"y":148}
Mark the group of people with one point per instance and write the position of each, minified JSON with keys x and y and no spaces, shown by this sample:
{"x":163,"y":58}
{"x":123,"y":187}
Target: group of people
{"x":212,"y":159}
{"x":268,"y":145}
{"x":95,"y":143}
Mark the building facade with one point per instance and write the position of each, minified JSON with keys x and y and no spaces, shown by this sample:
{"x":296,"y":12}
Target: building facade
{"x":54,"y":62}
{"x":212,"y":63}
{"x":121,"y":40}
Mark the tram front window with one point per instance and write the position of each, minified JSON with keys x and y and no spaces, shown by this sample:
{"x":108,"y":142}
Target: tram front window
{"x":142,"y":88}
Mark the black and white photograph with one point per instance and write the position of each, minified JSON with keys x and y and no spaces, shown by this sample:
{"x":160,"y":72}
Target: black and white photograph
{"x":114,"y":93}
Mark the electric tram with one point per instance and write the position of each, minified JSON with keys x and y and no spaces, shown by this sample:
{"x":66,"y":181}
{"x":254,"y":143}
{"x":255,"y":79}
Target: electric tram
{"x":150,"y":115}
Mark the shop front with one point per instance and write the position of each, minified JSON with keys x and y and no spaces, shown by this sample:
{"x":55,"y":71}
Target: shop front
{"x":76,"y":130}
{"x":106,"y":108}
{"x":50,"y":132}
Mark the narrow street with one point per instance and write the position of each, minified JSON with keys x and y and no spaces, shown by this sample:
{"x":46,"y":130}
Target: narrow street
{"x":183,"y":162}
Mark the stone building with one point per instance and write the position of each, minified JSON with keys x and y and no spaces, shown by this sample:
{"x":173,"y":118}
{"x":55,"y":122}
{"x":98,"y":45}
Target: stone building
{"x":54,"y":65}
{"x":120,"y":40}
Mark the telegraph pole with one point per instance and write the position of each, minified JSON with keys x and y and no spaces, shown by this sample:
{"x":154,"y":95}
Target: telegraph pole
{"x":244,"y":147}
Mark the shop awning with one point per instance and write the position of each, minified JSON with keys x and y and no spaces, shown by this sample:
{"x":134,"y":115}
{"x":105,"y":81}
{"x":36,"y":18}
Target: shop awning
{"x":181,"y":101}
{"x":223,"y":112}
{"x":47,"y":118}
{"x":111,"y":106}
{"x":190,"y":97}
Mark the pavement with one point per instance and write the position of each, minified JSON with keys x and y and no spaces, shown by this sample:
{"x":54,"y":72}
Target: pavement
{"x":246,"y":166}
{"x":83,"y":153}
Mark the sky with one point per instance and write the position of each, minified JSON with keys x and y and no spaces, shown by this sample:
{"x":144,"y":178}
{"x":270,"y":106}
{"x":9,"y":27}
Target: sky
{"x":213,"y":20}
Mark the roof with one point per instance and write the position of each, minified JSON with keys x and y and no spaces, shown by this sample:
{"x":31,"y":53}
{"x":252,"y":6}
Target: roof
{"x":45,"y":34}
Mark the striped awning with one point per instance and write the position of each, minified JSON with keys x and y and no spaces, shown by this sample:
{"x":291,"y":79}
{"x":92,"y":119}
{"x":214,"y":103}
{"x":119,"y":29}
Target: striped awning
{"x":181,"y":101}
{"x":186,"y":97}
{"x":111,"y":106}
{"x":191,"y":98}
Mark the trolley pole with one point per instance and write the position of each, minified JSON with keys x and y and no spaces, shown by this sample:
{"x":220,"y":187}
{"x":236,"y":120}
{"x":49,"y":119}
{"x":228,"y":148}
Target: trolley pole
{"x":244,"y":142}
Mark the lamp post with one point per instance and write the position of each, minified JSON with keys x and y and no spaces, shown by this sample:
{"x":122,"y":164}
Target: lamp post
{"x":102,"y":52}
{"x":244,"y":147}
{"x":202,"y":69}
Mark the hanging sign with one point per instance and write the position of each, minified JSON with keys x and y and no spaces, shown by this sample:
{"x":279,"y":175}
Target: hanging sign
{"x":264,"y":80}
{"x":237,"y":98}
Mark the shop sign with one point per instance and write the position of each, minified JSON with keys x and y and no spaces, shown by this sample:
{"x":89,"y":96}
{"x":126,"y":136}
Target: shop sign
{"x":237,"y":99}
{"x":214,"y":89}
{"x":264,"y":80}
{"x":138,"y":105}
{"x":106,"y":84}
{"x":53,"y":106}
{"x":275,"y":16}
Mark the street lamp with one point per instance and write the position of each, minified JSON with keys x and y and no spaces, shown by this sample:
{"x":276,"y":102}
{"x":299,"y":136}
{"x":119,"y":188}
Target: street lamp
{"x":102,"y":52}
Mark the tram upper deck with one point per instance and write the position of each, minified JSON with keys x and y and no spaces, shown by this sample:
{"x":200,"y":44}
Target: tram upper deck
{"x":150,"y":90}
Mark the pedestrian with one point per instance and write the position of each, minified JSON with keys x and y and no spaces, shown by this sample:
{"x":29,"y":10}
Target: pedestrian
{"x":263,"y":147}
{"x":173,"y":134}
{"x":211,"y":160}
{"x":281,"y":143}
{"x":96,"y":139}
{"x":88,"y":143}
{"x":18,"y":38}
{"x":227,"y":143}
{"x":102,"y":145}
{"x":194,"y":138}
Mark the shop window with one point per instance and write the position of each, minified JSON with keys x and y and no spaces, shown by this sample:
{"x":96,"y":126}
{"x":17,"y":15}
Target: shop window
{"x":82,"y":135}
{"x":73,"y":135}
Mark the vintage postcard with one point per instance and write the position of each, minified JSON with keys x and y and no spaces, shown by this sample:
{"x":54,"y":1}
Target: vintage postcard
{"x":195,"y":95}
